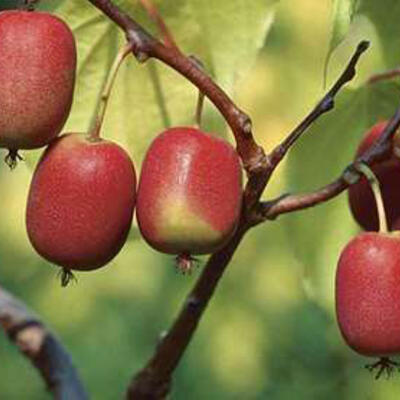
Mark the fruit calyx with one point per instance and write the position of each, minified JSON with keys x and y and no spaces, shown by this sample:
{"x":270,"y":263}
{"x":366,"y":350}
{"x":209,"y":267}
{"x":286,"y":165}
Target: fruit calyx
{"x":12,"y":158}
{"x":30,"y":4}
{"x":66,"y":276}
{"x":384,"y":364}
{"x":185,"y":263}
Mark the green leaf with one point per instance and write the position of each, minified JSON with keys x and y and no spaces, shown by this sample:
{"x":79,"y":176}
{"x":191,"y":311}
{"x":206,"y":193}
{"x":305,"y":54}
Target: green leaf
{"x":385,"y":18}
{"x":319,"y":158}
{"x":342,"y":15}
{"x":234,"y":32}
{"x":343,"y":12}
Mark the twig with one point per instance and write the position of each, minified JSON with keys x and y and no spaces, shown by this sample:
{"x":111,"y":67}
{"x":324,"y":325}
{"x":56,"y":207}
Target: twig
{"x":258,"y":182}
{"x":41,"y":347}
{"x":380,"y":151}
{"x":269,"y":210}
{"x":383,"y":145}
{"x":325,"y":105}
{"x":383,"y":76}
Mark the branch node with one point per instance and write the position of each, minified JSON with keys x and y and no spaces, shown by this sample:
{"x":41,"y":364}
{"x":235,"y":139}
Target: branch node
{"x":193,"y":303}
{"x":141,"y":56}
{"x":139,"y":44}
{"x":162,"y":336}
{"x":245,"y":123}
{"x":257,"y":164}
{"x":327,"y":104}
{"x":197,"y":62}
{"x":351,"y":175}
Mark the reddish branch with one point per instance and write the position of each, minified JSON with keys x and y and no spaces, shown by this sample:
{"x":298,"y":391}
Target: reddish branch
{"x":289,"y":203}
{"x":41,"y":347}
{"x":154,"y":380}
{"x":383,"y":76}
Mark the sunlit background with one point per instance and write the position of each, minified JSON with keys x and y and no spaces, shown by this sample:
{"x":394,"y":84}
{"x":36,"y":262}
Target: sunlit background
{"x":270,"y":330}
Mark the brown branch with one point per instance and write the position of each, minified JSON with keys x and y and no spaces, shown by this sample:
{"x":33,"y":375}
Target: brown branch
{"x":41,"y":347}
{"x":380,"y":151}
{"x":269,"y":210}
{"x":382,"y":147}
{"x":153,"y":381}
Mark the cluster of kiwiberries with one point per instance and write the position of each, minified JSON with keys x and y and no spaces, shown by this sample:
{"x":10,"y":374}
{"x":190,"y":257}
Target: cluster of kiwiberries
{"x":368,"y":272}
{"x":83,"y":191}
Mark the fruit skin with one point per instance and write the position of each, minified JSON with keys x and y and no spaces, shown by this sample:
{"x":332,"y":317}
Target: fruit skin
{"x":190,"y":192}
{"x":37,"y":76}
{"x":361,"y":199}
{"x":81,"y":202}
{"x":368,"y":293}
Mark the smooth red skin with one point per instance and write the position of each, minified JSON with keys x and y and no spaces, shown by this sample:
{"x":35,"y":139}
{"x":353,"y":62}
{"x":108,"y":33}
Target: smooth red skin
{"x":361,"y":198}
{"x":37,"y":77}
{"x":81,"y":202}
{"x":368,"y":294}
{"x":213,"y":187}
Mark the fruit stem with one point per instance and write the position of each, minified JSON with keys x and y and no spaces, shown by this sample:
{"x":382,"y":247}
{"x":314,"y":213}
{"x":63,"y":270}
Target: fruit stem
{"x":199,"y":110}
{"x":105,"y":95}
{"x":166,"y":34}
{"x":170,"y":42}
{"x":200,"y":99}
{"x":376,"y":189}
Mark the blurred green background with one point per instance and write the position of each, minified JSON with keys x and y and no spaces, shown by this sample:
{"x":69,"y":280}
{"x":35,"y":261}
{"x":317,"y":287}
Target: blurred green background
{"x":270,"y":330}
